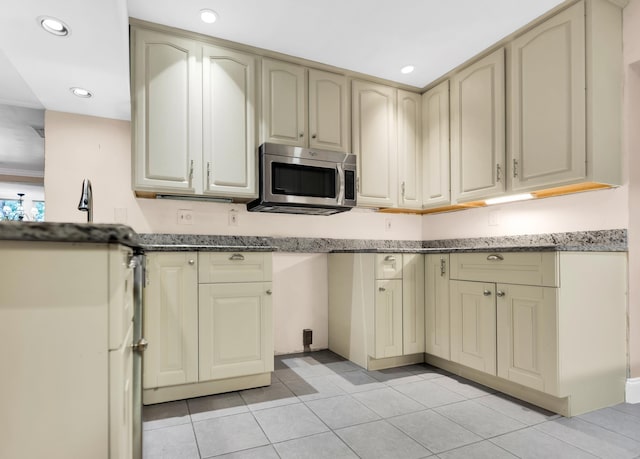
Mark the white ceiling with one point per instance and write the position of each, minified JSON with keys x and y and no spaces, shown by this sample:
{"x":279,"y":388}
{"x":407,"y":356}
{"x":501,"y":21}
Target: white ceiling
{"x":375,"y":37}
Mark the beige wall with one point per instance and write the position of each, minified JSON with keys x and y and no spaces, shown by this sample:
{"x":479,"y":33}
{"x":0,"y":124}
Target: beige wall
{"x":631,"y":39}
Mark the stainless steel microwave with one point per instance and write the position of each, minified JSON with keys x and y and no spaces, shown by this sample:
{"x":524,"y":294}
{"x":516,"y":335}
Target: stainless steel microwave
{"x":297,"y":180}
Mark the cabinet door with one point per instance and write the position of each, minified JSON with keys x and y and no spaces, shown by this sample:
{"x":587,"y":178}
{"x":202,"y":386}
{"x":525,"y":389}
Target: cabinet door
{"x":436,"y":188}
{"x":328,"y":115}
{"x":284,"y":103}
{"x":478,"y":129}
{"x":412,"y":304}
{"x":388,"y":319}
{"x":229,"y":144}
{"x":548,"y":103}
{"x":121,"y":399}
{"x":235,"y":331}
{"x":473,"y":325}
{"x":375,"y":144}
{"x":167,"y":111}
{"x":410,"y":150}
{"x":171,"y":319}
{"x":527,"y":322}
{"x":437,"y":305}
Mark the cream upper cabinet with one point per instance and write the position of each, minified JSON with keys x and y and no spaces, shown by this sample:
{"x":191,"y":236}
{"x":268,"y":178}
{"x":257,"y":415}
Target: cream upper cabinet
{"x":548,"y":103}
{"x":193,"y":112}
{"x":478,"y":129}
{"x":284,"y":103}
{"x":473,"y":325}
{"x":329,"y":122}
{"x":229,"y":125}
{"x":167,"y":104}
{"x":436,"y":288}
{"x":235,"y":330}
{"x":436,"y":154}
{"x":409,"y":150}
{"x":375,"y":143}
{"x":171,"y":319}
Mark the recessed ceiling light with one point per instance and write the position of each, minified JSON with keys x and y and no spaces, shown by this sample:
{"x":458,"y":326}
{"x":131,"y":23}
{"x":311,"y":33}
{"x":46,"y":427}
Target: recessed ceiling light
{"x":208,"y":16}
{"x":54,"y":26}
{"x":80,"y":92}
{"x":407,"y":69}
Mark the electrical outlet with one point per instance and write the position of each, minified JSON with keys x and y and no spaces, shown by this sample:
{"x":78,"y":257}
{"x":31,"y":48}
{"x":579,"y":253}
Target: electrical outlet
{"x":233,"y":217}
{"x":494,"y":218}
{"x":185,"y":217}
{"x":387,"y":224}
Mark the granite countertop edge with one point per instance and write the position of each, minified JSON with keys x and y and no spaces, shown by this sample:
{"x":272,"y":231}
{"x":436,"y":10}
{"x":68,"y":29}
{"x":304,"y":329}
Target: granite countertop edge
{"x":581,"y":241}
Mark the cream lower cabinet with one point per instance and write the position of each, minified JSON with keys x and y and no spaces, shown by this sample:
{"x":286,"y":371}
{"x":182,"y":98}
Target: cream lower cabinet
{"x":208,"y":319}
{"x":473,"y":325}
{"x":547,"y":327}
{"x":65,"y":345}
{"x":376,"y":308}
{"x":436,"y":290}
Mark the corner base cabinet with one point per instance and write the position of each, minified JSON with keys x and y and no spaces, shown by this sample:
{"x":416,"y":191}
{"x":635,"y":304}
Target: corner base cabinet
{"x":66,"y":328}
{"x":208,"y":320}
{"x":547,"y":327}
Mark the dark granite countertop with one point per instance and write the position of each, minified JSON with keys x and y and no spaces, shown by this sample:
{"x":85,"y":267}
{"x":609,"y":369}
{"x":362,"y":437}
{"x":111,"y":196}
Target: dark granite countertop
{"x":581,"y":241}
{"x":68,"y":232}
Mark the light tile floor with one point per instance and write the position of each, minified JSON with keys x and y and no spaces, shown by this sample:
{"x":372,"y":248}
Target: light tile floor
{"x":322,"y":406}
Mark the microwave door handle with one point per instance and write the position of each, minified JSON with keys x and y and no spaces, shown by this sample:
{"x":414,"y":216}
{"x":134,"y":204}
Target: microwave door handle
{"x":341,"y":184}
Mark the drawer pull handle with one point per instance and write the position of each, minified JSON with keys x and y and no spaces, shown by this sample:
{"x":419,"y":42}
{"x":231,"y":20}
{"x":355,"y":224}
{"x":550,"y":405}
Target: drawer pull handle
{"x":495,"y":257}
{"x":140,"y":346}
{"x":236,"y":257}
{"x":487,"y":293}
{"x":390,"y":258}
{"x":500,"y":293}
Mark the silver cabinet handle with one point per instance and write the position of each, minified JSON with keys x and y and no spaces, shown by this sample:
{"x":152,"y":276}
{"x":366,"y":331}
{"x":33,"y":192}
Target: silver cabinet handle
{"x":500,"y":293}
{"x":515,"y":167}
{"x":236,"y":257}
{"x":140,"y":346}
{"x":487,"y":293}
{"x":208,"y":174}
{"x":191,"y":173}
{"x":403,"y":189}
{"x":132,"y":262}
{"x":192,"y":262}
{"x":382,"y":289}
{"x":390,"y":258}
{"x":269,"y":292}
{"x":495,"y":257}
{"x":498,"y":173}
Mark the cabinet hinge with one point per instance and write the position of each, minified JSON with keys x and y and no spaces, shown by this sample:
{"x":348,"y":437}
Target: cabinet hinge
{"x":443,"y":267}
{"x":498,"y":173}
{"x":515,"y":167}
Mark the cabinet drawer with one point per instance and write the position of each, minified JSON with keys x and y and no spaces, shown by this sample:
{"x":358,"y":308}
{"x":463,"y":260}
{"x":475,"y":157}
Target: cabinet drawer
{"x":528,"y":268}
{"x":120,"y":294}
{"x":214,"y":267}
{"x":389,"y":266}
